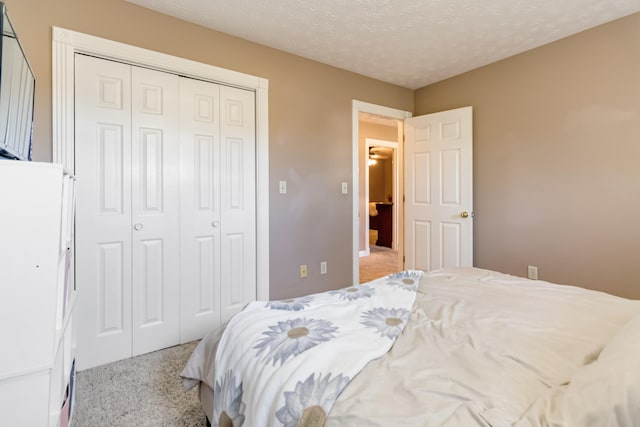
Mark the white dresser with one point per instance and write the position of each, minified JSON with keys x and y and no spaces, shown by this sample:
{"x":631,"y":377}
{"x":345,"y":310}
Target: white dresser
{"x":37,"y":294}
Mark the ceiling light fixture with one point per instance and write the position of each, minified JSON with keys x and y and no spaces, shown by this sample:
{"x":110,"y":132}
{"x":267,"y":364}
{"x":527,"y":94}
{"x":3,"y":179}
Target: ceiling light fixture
{"x":372,"y":161}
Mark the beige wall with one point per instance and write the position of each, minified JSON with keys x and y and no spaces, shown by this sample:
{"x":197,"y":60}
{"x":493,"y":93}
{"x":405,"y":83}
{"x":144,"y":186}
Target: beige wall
{"x":380,"y":178}
{"x":557,"y":158}
{"x":557,"y":142}
{"x":310,"y":113}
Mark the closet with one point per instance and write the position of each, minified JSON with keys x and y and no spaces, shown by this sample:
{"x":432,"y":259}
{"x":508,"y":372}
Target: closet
{"x":166,"y":216}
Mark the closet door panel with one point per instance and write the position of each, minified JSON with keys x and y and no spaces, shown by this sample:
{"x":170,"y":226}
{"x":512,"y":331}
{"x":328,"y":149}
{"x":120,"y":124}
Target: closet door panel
{"x":103,"y":210}
{"x":238,"y":207}
{"x":199,"y":208}
{"x":112,"y":318}
{"x":155,"y":209}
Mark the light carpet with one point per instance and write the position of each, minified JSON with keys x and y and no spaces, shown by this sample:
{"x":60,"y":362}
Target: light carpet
{"x":380,"y":262}
{"x":141,"y":391}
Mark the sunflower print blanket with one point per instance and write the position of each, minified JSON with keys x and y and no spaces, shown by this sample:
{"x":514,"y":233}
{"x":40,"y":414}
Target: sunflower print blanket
{"x":284,"y":363}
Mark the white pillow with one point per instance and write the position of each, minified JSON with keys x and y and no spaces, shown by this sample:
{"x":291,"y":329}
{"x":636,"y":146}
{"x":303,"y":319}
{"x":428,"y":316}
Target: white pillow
{"x":607,"y":391}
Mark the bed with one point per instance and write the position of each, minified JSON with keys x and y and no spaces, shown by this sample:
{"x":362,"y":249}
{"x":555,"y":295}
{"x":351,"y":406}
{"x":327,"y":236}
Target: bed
{"x":474,"y":348}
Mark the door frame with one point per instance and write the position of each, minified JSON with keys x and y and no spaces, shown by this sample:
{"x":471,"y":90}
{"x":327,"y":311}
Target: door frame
{"x":66,"y":43}
{"x":380,"y":110}
{"x":371,"y":142}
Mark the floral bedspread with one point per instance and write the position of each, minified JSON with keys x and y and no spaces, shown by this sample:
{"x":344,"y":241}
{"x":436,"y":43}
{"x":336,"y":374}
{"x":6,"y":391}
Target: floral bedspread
{"x":284,"y":363}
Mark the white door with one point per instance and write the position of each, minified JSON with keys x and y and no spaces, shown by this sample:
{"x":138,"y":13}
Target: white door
{"x":155,"y":192}
{"x":127,"y":240}
{"x":238,"y":199}
{"x":439,"y":190}
{"x":218,"y":210}
{"x":103,"y":210}
{"x":199,"y":208}
{"x":166,"y":228}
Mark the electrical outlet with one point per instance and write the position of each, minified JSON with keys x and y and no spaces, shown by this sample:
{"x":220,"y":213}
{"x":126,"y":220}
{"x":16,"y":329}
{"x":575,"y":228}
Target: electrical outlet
{"x":532,"y":272}
{"x":323,"y":267}
{"x":303,"y":271}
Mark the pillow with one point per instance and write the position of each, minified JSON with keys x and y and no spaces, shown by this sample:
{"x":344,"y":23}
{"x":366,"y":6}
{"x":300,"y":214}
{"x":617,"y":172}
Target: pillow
{"x":607,"y":391}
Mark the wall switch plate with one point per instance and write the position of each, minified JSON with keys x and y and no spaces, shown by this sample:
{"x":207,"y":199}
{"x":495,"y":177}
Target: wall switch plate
{"x":345,"y":188}
{"x":323,"y":267}
{"x":303,"y":271}
{"x":532,"y":272}
{"x":283,"y":187}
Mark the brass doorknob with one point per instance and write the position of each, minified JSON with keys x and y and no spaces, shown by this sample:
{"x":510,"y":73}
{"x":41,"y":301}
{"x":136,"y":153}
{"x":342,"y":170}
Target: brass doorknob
{"x":464,"y":214}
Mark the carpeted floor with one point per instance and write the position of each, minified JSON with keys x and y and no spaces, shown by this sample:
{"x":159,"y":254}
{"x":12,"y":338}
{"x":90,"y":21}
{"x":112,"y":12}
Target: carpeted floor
{"x":141,"y":391}
{"x":380,"y":262}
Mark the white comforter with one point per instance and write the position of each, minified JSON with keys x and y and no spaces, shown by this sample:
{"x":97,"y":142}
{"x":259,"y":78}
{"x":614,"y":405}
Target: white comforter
{"x":281,"y":361}
{"x":480,"y":349}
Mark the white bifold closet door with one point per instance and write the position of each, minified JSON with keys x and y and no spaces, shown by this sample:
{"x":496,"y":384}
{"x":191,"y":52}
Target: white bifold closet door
{"x":165,"y":168}
{"x":218,"y":248}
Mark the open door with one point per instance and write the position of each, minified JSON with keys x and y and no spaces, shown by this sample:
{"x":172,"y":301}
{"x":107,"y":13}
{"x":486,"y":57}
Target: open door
{"x":438,"y":188}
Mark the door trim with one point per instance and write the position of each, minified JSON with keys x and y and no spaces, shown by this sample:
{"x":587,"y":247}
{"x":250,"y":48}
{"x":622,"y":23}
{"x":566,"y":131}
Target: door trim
{"x":364,"y":107}
{"x":66,"y":43}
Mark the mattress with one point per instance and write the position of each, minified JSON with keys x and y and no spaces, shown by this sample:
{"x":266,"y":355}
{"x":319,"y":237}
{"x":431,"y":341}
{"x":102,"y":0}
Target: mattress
{"x":481,"y":348}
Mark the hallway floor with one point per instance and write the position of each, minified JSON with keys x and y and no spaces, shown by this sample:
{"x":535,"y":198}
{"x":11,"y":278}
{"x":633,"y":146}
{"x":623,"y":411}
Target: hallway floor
{"x":380,"y":262}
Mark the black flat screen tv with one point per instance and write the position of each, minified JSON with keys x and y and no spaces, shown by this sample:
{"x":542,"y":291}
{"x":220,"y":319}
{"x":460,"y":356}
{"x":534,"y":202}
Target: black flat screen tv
{"x":17,"y":95}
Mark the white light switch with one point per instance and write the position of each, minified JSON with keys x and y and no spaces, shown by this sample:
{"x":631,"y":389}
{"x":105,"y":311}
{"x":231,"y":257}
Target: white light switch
{"x":345,"y":188}
{"x":283,"y":187}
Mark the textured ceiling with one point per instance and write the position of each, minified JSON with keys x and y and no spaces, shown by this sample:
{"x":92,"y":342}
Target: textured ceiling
{"x":410,"y":43}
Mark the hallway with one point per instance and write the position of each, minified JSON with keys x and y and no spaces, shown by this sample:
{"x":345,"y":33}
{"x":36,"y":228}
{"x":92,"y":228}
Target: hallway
{"x":380,"y":262}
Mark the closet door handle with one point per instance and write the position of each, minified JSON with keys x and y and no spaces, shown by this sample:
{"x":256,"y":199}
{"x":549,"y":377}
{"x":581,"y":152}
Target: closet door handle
{"x":215,"y":224}
{"x":138,"y":227}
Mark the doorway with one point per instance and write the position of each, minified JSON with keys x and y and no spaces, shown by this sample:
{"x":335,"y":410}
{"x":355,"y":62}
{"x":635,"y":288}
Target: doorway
{"x":383,"y":126}
{"x":381,"y":190}
{"x":382,"y":194}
